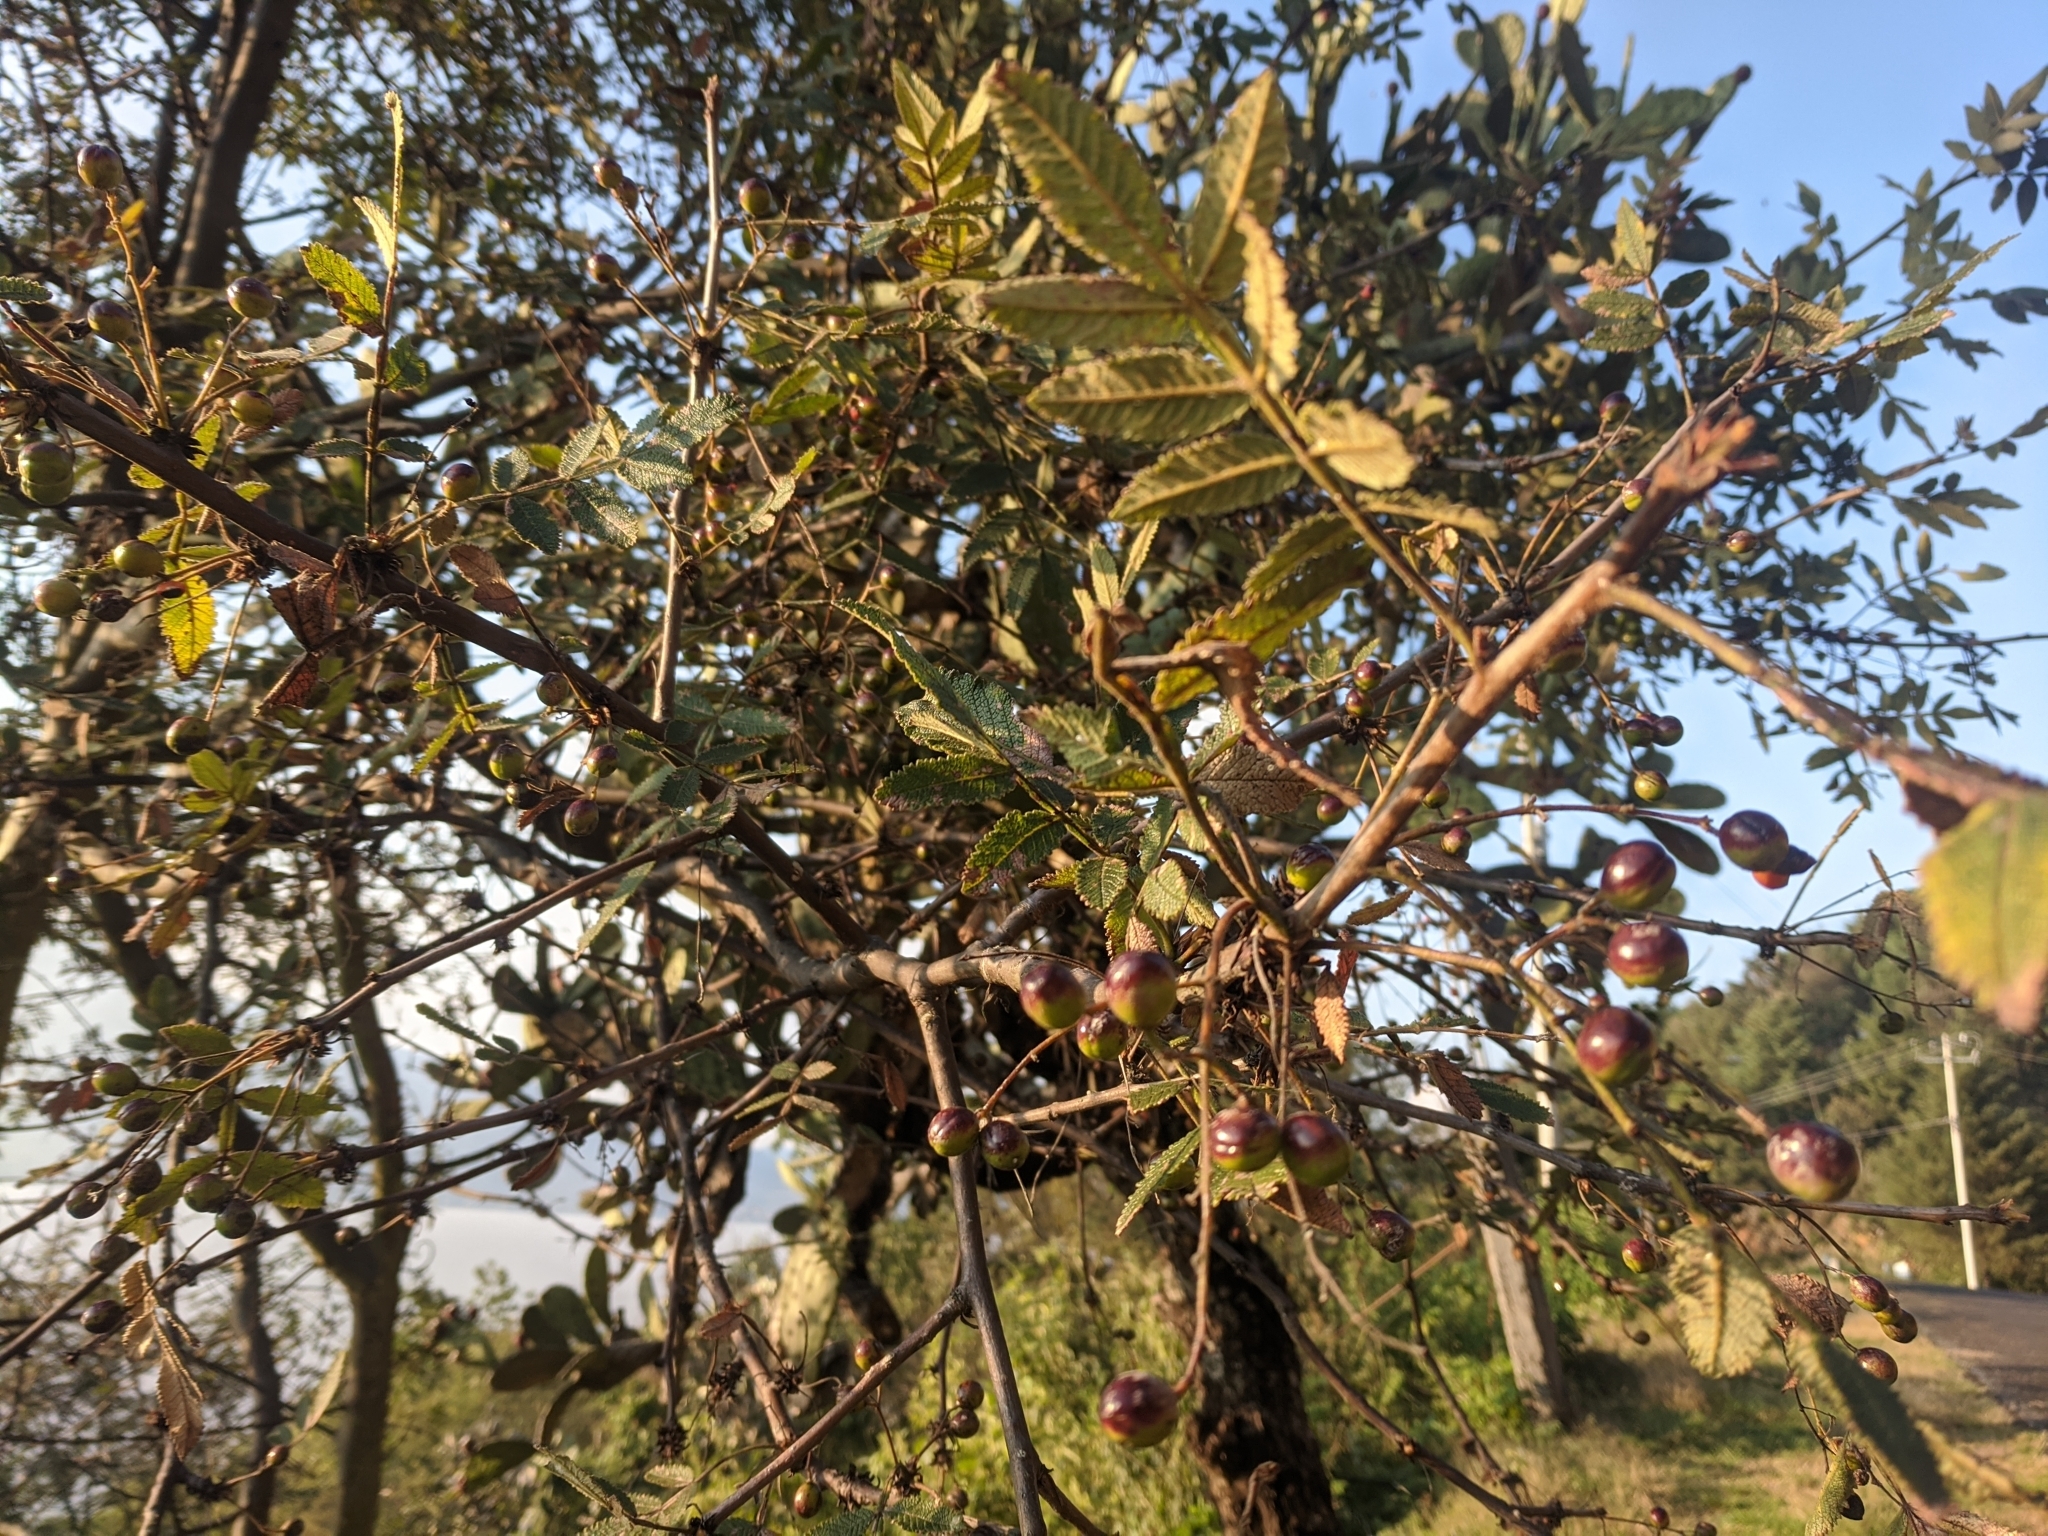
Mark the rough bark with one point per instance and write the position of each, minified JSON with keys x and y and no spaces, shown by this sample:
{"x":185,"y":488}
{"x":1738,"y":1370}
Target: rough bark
{"x":370,"y":1269}
{"x":1249,"y":1429}
{"x":234,"y":120}
{"x":1525,"y":1319}
{"x":266,"y":1407}
{"x":28,"y":852}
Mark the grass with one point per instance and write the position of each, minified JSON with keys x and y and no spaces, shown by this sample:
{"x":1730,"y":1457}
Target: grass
{"x":1735,"y":1452}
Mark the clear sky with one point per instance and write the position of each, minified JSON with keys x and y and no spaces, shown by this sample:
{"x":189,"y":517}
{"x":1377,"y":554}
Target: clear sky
{"x":1844,"y":94}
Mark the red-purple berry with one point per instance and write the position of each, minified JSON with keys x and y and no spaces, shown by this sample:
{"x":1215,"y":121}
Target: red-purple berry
{"x":1243,"y":1139}
{"x":952,"y":1131}
{"x":1315,"y":1151}
{"x":1811,"y":1161}
{"x":1637,"y":876}
{"x":1137,"y":1409}
{"x":1648,"y":954}
{"x":1139,"y":987}
{"x":1615,"y":1046}
{"x":1051,"y":996}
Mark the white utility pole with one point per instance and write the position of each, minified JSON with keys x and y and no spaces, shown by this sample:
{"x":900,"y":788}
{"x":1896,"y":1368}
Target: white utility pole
{"x":1949,"y":1043}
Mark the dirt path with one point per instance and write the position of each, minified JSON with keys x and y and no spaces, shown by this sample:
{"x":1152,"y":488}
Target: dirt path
{"x":1999,"y":1338}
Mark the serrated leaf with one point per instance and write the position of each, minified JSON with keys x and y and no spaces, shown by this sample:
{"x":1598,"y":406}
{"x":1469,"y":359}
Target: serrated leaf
{"x":354,"y":296}
{"x":406,"y":448}
{"x":1072,"y":311}
{"x":1242,"y":174}
{"x":1086,"y":177}
{"x":1263,"y":623}
{"x":331,"y":448}
{"x":943,"y":781}
{"x":1267,"y":314}
{"x":199,"y":1040}
{"x":1209,"y":478}
{"x":1100,"y":881}
{"x":534,"y":523}
{"x":1249,"y":782}
{"x":186,"y":618}
{"x":22,"y":290}
{"x":1313,"y":538}
{"x":1508,"y":1102}
{"x":1985,"y":890}
{"x":1157,"y":1172}
{"x":1358,"y":445}
{"x":380,"y":227}
{"x":1142,"y":397}
{"x":1165,"y":893}
{"x":1724,"y":1311}
{"x":601,"y":514}
{"x":404,"y":368}
{"x":586,"y":1482}
{"x":1625,"y":336}
{"x":1632,"y":239}
{"x":1019,"y":840}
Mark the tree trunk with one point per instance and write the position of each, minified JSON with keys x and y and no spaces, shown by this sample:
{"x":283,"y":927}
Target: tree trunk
{"x":1250,"y":1431}
{"x":266,"y":1408}
{"x":234,"y":119}
{"x":370,"y":1269}
{"x":28,"y":852}
{"x":1525,"y":1319}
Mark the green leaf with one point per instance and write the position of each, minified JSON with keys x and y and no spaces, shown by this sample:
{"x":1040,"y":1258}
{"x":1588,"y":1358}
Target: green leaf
{"x":1263,"y":622}
{"x":354,"y":296}
{"x":21,"y":290}
{"x":404,"y":368}
{"x":1210,"y":478}
{"x":1686,"y":846}
{"x":1087,"y":178}
{"x":1510,"y":1103}
{"x":1724,"y":1311}
{"x":1358,"y":445}
{"x":1685,"y":288}
{"x":1632,"y":240}
{"x":530,"y":1368}
{"x":628,"y":888}
{"x":209,"y":770}
{"x":1143,"y":397}
{"x":406,"y":448}
{"x":331,"y":448}
{"x":1100,"y":881}
{"x":1243,"y":173}
{"x":1165,"y":893}
{"x":534,"y":523}
{"x":1157,"y":1172}
{"x":600,"y":513}
{"x":587,"y":1483}
{"x":1985,"y":887}
{"x":1834,"y":1492}
{"x":1267,"y":314}
{"x":1068,"y":311}
{"x":1882,"y":1420}
{"x":943,"y":781}
{"x":1313,"y":538}
{"x":1018,"y":840}
{"x":199,"y":1040}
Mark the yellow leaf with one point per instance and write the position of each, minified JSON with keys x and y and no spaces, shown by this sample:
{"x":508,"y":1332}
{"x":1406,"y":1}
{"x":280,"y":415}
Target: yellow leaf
{"x":1358,"y":445}
{"x":1986,"y":889}
{"x":186,"y":619}
{"x":1267,"y":314}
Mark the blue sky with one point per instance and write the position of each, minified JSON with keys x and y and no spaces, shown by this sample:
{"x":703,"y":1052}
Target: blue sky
{"x":1842,"y":96}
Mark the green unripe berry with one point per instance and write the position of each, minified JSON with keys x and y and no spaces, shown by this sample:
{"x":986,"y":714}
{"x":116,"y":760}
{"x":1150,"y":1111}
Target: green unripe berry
{"x":116,"y":1080}
{"x":58,"y":598}
{"x":1650,"y":785}
{"x":252,"y":298}
{"x":579,"y":818}
{"x":252,"y":409}
{"x":756,"y":200}
{"x":138,"y":557}
{"x":506,"y":762}
{"x":461,"y":480}
{"x":112,"y":321}
{"x":99,"y":167}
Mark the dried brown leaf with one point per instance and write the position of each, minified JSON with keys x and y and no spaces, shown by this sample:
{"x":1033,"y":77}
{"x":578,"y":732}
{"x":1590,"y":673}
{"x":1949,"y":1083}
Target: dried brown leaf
{"x":893,"y":1085}
{"x":1251,"y":783}
{"x":1333,"y":1018}
{"x":1813,"y":1301}
{"x":178,"y":1397}
{"x":1454,"y":1085}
